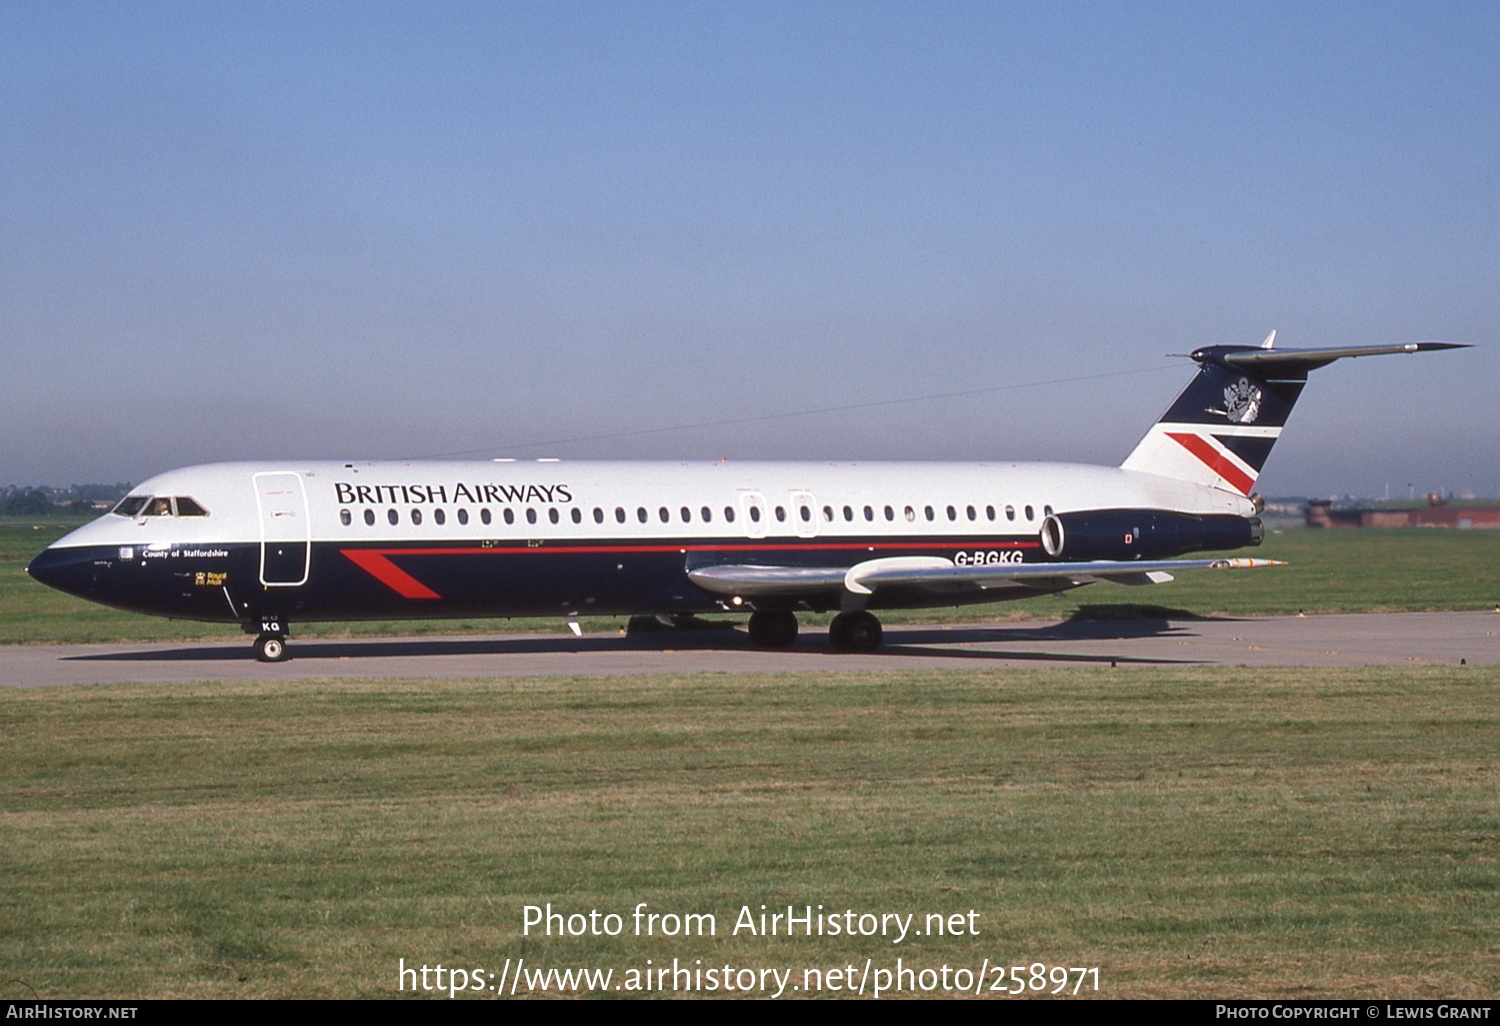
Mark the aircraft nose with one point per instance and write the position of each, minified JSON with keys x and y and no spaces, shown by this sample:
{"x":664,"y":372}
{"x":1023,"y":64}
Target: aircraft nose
{"x":64,"y":569}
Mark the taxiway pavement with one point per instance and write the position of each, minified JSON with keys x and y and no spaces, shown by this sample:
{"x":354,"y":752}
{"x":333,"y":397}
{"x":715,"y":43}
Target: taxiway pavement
{"x":1398,"y":639}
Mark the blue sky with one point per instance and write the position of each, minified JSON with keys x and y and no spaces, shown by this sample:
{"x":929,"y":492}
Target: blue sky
{"x":390,"y":230}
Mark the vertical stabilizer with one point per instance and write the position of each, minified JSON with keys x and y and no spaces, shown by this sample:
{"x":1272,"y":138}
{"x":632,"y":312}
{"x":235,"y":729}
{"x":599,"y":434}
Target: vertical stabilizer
{"x":1221,"y":429}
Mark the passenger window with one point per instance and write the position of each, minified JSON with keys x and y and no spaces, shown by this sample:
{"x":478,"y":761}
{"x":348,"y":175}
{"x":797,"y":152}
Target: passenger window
{"x":755,"y":513}
{"x":530,"y":515}
{"x":416,"y":517}
{"x":1010,"y":512}
{"x":370,"y":517}
{"x":640,"y":513}
{"x":463,"y":516}
{"x":577,"y":515}
{"x":928,"y":510}
{"x":828,"y":514}
{"x":848,"y":514}
{"x":708,"y":515}
{"x":619,"y":514}
{"x":869,"y":513}
{"x":664,"y":514}
{"x":989,"y":512}
{"x":890,"y":514}
{"x":781,"y":514}
{"x":393,"y":517}
{"x":729,"y":514}
{"x":1046,"y":511}
{"x":345,"y":518}
{"x":553,"y":515}
{"x":911,"y":514}
{"x":806,"y":512}
{"x":509,"y":514}
{"x":598,"y":515}
{"x":484,"y":515}
{"x":440,"y":516}
{"x":1030,"y":513}
{"x":687,"y":515}
{"x":972,"y":514}
{"x":952,"y":513}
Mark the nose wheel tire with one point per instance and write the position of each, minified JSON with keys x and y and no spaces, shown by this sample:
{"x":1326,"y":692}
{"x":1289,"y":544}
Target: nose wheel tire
{"x":270,"y":648}
{"x":855,"y":632}
{"x":773,"y":628}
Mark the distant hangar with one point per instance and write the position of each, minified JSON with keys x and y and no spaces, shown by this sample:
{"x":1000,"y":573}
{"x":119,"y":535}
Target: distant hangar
{"x":1437,"y":513}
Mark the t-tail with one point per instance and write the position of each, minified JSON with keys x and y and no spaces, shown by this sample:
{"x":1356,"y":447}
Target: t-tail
{"x":1221,"y":429}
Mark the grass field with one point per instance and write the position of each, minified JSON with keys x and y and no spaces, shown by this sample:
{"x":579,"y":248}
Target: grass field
{"x":1328,"y":572}
{"x":1255,"y":833}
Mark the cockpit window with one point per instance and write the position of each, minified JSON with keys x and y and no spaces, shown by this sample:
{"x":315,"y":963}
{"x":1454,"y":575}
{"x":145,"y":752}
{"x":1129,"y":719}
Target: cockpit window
{"x":159,"y":506}
{"x":131,"y":505}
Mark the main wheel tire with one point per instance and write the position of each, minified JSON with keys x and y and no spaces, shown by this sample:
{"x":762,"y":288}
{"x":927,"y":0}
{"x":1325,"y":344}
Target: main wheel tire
{"x":855,"y":632}
{"x":270,"y":649}
{"x":772,"y":628}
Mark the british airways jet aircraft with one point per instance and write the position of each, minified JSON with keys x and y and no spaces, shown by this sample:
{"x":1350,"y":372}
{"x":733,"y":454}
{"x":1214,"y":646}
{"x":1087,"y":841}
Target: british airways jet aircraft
{"x":266,"y":545}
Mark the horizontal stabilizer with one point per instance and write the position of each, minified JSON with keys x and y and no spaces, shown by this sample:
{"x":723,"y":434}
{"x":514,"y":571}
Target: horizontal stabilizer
{"x":1268,"y":361}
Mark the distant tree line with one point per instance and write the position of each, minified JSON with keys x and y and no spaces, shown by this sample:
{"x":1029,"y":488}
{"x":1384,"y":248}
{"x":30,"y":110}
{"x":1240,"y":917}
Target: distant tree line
{"x":44,"y":501}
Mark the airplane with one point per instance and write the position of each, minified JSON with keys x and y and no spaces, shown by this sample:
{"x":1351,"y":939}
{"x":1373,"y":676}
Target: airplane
{"x":265,"y":545}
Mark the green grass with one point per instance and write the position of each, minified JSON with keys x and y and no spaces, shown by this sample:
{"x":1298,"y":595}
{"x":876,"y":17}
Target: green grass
{"x":1328,"y":572}
{"x":1260,"y":833}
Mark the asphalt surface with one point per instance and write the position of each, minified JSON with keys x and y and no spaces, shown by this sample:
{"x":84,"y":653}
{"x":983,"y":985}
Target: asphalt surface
{"x":1402,"y":639}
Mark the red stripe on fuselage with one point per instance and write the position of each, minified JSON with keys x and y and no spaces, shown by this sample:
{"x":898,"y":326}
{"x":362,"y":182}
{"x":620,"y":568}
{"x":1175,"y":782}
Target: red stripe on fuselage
{"x":1214,"y":460}
{"x":377,"y":562}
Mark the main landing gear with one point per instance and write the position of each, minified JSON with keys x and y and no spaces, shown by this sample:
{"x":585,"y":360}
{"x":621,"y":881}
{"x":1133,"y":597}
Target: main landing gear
{"x":270,"y":644}
{"x":773,"y":628}
{"x":855,"y":631}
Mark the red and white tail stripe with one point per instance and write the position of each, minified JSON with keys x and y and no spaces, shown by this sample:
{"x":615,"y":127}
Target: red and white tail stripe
{"x":1198,"y":453}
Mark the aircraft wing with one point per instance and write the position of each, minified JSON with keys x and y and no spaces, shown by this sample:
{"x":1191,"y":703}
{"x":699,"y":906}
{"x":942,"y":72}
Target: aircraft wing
{"x":941,"y":574}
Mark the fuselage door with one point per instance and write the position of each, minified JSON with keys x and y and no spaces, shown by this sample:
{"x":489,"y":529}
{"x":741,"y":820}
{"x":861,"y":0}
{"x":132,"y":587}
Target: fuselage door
{"x":285,"y":529}
{"x":753,"y":509}
{"x":805,"y":514}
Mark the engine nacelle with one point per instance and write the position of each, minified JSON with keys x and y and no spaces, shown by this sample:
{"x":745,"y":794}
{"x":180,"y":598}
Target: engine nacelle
{"x":1123,"y":534}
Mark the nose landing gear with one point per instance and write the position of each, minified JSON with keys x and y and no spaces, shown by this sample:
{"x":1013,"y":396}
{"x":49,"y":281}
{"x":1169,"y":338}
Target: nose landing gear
{"x":270,"y":644}
{"x":270,"y":649}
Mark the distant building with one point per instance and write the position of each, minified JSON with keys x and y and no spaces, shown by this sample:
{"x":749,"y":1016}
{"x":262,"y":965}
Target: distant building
{"x":1437,"y":513}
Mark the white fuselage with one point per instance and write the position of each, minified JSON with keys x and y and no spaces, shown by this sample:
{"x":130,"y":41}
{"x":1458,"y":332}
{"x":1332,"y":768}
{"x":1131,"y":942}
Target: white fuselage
{"x":815,"y":500}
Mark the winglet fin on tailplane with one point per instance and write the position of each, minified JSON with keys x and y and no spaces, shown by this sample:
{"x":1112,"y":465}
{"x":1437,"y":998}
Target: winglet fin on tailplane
{"x":1223,"y":425}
